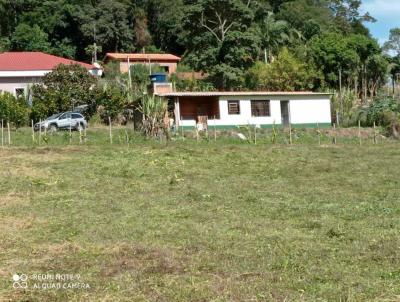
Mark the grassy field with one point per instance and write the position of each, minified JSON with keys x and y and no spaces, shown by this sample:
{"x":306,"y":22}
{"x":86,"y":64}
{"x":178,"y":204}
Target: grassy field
{"x":208,"y":221}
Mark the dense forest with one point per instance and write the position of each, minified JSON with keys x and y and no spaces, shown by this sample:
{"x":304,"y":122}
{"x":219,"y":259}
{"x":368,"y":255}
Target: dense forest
{"x":320,"y":45}
{"x":323,"y":42}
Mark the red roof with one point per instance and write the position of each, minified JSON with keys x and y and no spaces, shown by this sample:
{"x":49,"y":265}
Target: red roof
{"x":143,"y":56}
{"x":26,"y":61}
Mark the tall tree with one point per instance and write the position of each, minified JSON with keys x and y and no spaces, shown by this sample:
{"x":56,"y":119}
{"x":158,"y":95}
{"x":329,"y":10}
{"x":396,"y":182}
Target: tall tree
{"x":348,"y":16}
{"x":220,"y":39}
{"x":106,"y":22}
{"x":30,"y":38}
{"x":275,"y":33}
{"x":393,"y":44}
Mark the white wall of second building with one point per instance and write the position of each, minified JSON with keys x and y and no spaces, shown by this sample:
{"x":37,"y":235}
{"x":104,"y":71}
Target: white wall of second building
{"x":245,"y":117}
{"x":10,"y":84}
{"x":306,"y":111}
{"x":303,"y":110}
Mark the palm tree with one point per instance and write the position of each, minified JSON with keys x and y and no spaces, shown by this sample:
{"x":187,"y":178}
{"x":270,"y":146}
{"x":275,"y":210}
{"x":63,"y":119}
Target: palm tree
{"x":274,"y":34}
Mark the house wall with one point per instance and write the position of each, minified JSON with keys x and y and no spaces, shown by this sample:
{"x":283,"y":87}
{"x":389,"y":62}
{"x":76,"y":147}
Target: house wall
{"x":9,"y":84}
{"x":310,"y":111}
{"x":171,"y":66}
{"x":304,"y":110}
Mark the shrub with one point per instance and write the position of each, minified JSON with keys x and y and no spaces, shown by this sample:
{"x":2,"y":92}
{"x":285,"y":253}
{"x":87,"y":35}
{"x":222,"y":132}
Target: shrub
{"x":381,"y":109}
{"x":63,"y":89}
{"x":111,"y":102}
{"x":384,"y":111}
{"x":13,"y":110}
{"x":154,"y":112}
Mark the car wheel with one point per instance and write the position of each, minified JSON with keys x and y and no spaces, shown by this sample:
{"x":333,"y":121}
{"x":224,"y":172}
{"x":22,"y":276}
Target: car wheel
{"x":53,"y":128}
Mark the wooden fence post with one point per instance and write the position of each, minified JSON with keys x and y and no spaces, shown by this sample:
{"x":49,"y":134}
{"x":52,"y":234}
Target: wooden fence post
{"x":334,"y":134}
{"x":319,"y":134}
{"x":359,"y":132}
{"x":9,"y":133}
{"x":126,"y":137}
{"x":33,"y":132}
{"x":249,"y":127}
{"x":290,"y":134}
{"x":255,"y":134}
{"x":375,"y":142}
{"x":80,"y":136}
{"x":215,"y":130}
{"x":70,"y":133}
{"x":85,"y":135}
{"x":2,"y":133}
{"x":40,"y":131}
{"x":109,"y":123}
{"x":273,"y":133}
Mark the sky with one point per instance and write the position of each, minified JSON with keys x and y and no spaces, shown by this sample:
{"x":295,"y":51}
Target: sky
{"x":387,"y":14}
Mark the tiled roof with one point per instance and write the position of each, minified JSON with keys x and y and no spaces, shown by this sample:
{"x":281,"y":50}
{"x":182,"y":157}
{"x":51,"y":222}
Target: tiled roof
{"x":27,"y":61}
{"x":143,"y":56}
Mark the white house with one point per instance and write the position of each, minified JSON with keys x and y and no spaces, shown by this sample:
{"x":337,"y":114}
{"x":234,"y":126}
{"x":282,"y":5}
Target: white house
{"x":19,"y":70}
{"x":231,"y":109}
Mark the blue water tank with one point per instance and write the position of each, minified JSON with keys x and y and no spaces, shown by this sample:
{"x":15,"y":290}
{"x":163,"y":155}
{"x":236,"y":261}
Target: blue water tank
{"x":158,"y":78}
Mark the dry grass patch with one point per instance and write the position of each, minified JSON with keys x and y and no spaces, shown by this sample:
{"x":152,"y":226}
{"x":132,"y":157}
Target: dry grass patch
{"x":124,"y":258}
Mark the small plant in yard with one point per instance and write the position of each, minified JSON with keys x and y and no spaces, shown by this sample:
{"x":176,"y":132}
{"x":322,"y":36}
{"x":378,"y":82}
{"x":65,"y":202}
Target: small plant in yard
{"x":46,"y":138}
{"x":274,"y":134}
{"x":155,"y":120}
{"x":13,"y":110}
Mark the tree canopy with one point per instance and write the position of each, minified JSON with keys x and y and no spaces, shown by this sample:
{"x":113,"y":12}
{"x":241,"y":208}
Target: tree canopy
{"x":224,"y":38}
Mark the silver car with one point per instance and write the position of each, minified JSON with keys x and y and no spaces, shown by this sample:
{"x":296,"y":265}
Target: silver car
{"x":66,"y":120}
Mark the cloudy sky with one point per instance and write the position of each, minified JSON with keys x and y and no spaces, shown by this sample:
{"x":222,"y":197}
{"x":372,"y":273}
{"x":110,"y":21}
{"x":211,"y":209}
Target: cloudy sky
{"x":387,"y":13}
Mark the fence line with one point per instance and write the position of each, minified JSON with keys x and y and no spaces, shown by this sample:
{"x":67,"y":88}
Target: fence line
{"x":280,"y":136}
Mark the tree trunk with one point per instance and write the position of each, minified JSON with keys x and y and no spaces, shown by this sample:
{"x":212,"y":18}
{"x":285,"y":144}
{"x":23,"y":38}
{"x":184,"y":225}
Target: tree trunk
{"x":393,"y":85}
{"x":365,"y":82}
{"x":356,"y":86}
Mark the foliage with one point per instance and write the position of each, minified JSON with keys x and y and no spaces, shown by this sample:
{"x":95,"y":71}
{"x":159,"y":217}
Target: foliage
{"x":379,"y":110}
{"x":62,"y":90}
{"x":308,"y":17}
{"x":223,"y":38}
{"x":154,"y":112}
{"x":331,"y":52}
{"x":224,"y":43}
{"x":192,"y":84}
{"x":30,"y":38}
{"x":107,"y":23}
{"x":377,"y":67}
{"x":274,"y":34}
{"x":13,"y":110}
{"x":347,"y":105}
{"x":110,"y":102}
{"x":286,"y":73}
{"x":393,"y":44}
{"x":5,"y":44}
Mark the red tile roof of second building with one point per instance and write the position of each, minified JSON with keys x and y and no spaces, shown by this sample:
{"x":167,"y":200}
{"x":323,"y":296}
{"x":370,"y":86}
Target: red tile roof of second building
{"x":24,"y":61}
{"x":143,"y":56}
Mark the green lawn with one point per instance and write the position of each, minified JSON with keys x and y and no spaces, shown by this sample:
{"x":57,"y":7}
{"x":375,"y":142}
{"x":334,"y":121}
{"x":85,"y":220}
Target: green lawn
{"x":208,"y":221}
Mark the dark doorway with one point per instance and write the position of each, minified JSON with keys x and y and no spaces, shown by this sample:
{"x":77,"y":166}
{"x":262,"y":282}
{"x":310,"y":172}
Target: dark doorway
{"x":285,"y":118}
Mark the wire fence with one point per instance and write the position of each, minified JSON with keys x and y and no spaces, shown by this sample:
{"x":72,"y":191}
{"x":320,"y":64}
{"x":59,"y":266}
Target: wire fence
{"x":248,"y":134}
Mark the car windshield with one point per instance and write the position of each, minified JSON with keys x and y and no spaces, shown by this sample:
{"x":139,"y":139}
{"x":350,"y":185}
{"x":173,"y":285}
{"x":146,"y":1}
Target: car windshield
{"x":53,"y":116}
